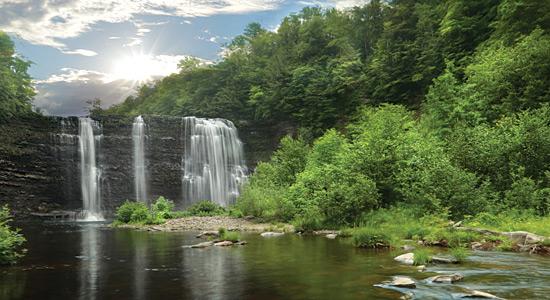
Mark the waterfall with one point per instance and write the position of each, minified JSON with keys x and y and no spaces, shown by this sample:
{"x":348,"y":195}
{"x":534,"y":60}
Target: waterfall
{"x":89,"y":172}
{"x":138,"y":137}
{"x":213,"y":164}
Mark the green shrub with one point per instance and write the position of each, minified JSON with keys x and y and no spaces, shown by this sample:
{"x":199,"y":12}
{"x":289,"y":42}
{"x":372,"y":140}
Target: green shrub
{"x":10,"y":239}
{"x":206,"y":208}
{"x":132,"y":212}
{"x":371,"y":238}
{"x":421,"y":256}
{"x":162,"y":208}
{"x":310,"y":220}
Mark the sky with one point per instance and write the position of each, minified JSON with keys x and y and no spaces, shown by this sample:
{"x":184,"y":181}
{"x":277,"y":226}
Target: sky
{"x":87,"y":49}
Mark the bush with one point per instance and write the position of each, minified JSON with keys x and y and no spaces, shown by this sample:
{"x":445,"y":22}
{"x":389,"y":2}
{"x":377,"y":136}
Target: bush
{"x":132,"y":212}
{"x":163,"y":208}
{"x":205,"y":208}
{"x":10,"y":240}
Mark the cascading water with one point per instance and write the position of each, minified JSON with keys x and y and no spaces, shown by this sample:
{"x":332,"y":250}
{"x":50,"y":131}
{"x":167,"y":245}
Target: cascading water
{"x":138,"y":137}
{"x":90,"y":174}
{"x":213,"y":166}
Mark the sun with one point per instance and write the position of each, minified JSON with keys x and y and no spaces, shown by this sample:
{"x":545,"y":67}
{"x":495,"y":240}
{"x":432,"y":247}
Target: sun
{"x":134,"y":67}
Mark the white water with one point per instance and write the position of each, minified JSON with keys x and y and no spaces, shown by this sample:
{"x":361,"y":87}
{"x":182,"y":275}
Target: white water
{"x":138,"y":137}
{"x":213,"y":165}
{"x":90,"y":175}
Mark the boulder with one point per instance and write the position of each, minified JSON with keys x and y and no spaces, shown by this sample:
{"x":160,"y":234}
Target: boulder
{"x":446,"y":278}
{"x":208,"y":234}
{"x":407,"y":258}
{"x":271,"y":234}
{"x":331,"y":236}
{"x":240,"y":243}
{"x":408,"y":248}
{"x":523,"y":237}
{"x":444,"y":260}
{"x":421,"y":268}
{"x":224,"y":243}
{"x":403,"y":282}
{"x":479,"y":294}
{"x":202,"y":245}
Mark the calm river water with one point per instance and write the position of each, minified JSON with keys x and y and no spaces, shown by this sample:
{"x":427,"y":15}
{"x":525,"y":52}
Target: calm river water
{"x":91,"y":261}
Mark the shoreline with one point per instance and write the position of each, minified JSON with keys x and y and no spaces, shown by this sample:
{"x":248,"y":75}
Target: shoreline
{"x":196,"y":223}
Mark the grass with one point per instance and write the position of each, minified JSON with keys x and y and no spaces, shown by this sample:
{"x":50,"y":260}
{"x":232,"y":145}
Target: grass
{"x":422,"y":256}
{"x":371,"y":238}
{"x":511,"y":221}
{"x":459,"y":253}
{"x":232,"y":236}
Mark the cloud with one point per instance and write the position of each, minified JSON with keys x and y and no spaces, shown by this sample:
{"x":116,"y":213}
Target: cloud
{"x":47,"y":22}
{"x":66,"y":93}
{"x":114,"y":38}
{"x":133,"y":42}
{"x":83,"y":52}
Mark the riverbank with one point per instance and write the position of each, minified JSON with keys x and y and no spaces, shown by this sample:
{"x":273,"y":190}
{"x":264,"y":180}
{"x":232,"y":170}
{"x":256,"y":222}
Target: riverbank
{"x":208,"y":223}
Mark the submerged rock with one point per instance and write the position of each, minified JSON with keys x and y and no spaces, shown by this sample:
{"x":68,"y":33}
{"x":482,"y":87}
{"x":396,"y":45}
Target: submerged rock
{"x":479,"y":294}
{"x":240,"y":243}
{"x":224,"y":243}
{"x":407,"y":258}
{"x":271,"y":234}
{"x":444,"y":260}
{"x":421,"y":268}
{"x":446,"y":278}
{"x":331,"y":236}
{"x":200,"y":245}
{"x":403,"y":282}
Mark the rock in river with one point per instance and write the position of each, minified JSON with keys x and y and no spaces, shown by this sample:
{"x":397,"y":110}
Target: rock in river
{"x":331,"y":236}
{"x":200,"y":245}
{"x":446,"y":278}
{"x":271,"y":234}
{"x":224,"y":243}
{"x":444,"y":260}
{"x":403,"y":282}
{"x":407,"y":258}
{"x":479,"y":294}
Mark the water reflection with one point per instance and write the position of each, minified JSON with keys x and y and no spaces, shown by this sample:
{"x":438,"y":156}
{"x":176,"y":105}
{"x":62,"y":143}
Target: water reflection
{"x":90,"y":265}
{"x":86,"y":261}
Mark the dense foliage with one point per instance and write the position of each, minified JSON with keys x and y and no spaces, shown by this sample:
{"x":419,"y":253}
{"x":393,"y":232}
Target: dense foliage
{"x":16,"y":90}
{"x":10,"y":239}
{"x":440,"y":106}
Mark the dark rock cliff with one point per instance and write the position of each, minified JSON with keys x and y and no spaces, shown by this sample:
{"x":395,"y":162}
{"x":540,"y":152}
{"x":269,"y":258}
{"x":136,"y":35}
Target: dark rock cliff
{"x":40,"y":160}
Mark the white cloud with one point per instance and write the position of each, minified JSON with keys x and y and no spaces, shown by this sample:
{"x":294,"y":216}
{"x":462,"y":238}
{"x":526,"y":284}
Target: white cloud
{"x":186,"y":22}
{"x":114,"y":38}
{"x":133,"y":42}
{"x":49,"y":22}
{"x":83,"y":52}
{"x":66,"y":93}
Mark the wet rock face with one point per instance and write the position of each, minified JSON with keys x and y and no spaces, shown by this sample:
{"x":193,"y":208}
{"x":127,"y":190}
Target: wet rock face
{"x":40,"y":160}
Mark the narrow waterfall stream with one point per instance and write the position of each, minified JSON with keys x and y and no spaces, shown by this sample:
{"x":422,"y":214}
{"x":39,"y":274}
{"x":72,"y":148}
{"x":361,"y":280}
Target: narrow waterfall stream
{"x":90,"y":174}
{"x":138,"y":137}
{"x":213,"y":164}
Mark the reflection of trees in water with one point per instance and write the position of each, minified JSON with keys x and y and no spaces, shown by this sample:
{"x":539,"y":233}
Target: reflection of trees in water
{"x":90,"y":265}
{"x":12,"y":285}
{"x":213,"y":273}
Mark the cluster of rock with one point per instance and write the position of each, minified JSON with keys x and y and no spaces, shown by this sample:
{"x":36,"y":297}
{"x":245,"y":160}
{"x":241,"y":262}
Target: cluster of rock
{"x":216,"y":241}
{"x":405,"y":282}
